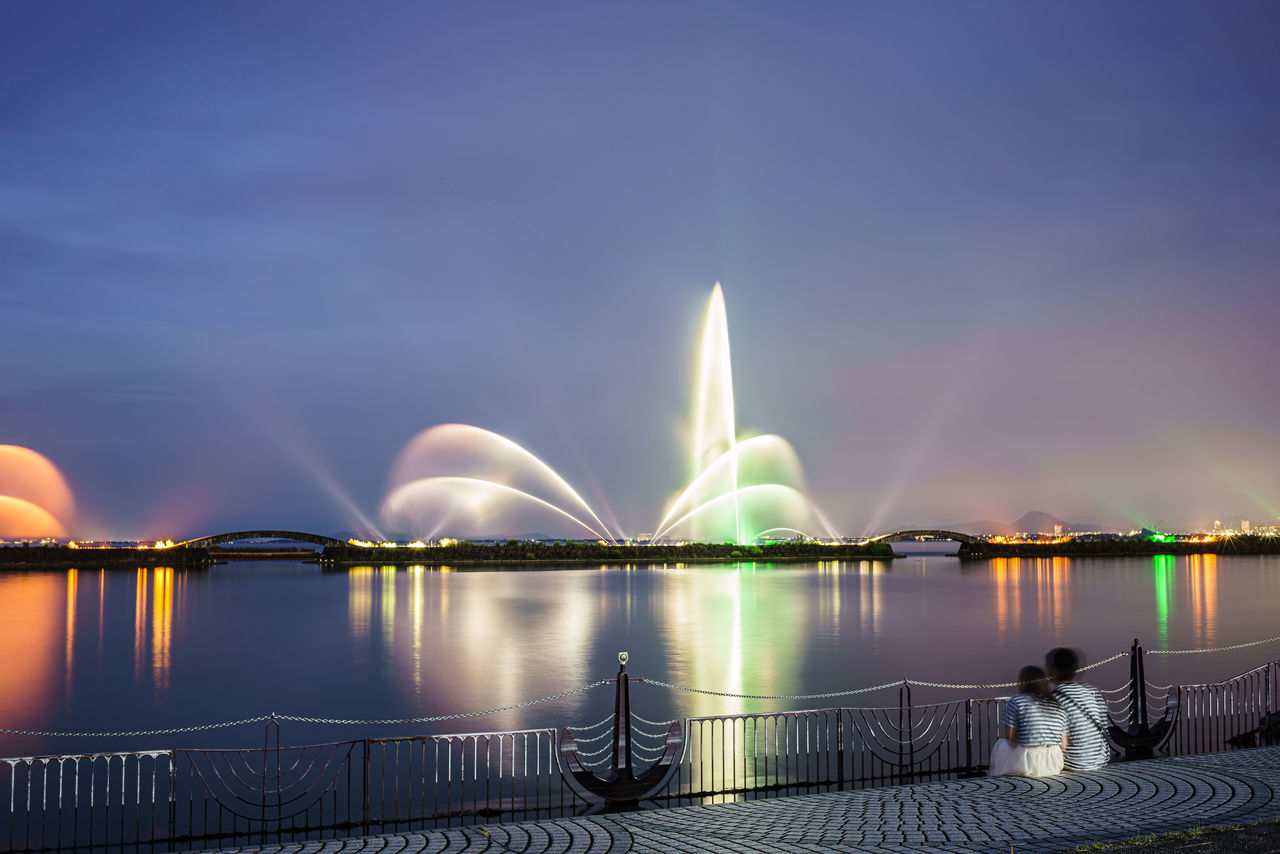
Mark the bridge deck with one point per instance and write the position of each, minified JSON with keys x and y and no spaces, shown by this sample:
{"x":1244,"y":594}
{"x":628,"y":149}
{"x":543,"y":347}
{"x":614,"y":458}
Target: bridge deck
{"x":990,"y":814}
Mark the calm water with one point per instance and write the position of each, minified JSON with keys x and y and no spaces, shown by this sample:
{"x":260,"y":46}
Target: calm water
{"x":124,"y":650}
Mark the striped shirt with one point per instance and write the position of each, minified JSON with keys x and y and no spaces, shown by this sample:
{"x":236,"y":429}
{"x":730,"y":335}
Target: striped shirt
{"x":1087,"y":747}
{"x":1038,"y":723}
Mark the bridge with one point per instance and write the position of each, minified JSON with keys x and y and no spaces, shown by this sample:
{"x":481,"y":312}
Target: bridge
{"x":233,"y":536}
{"x":967,"y":539}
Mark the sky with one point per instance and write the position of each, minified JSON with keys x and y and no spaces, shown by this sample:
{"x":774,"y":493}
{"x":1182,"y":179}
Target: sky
{"x":978,"y":258}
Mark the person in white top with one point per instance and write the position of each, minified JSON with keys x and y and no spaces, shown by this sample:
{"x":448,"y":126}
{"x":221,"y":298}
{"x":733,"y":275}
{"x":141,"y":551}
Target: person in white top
{"x":1033,"y":728}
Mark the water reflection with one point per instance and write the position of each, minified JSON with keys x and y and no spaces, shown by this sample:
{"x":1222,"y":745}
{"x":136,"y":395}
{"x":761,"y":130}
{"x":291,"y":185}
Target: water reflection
{"x":1163,"y":571}
{"x":1202,"y":582}
{"x":869,"y":596}
{"x":161,"y":631}
{"x":139,"y":624}
{"x":30,"y":637}
{"x":73,"y":577}
{"x":173,"y":647}
{"x":1006,"y":574}
{"x":479,"y":625}
{"x":360,"y":600}
{"x":1052,"y":602}
{"x":153,"y":614}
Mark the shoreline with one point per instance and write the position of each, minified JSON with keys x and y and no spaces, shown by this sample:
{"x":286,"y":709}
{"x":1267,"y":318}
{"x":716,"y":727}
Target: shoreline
{"x":515,"y":553}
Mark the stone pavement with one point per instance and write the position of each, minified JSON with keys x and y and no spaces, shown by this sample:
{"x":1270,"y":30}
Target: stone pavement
{"x":991,"y":814}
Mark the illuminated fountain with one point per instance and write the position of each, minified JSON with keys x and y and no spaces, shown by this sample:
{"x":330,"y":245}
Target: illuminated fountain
{"x":35,"y":500}
{"x":454,"y":476}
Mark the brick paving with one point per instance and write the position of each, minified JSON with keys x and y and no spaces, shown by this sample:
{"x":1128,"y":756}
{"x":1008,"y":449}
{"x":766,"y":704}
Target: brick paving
{"x":991,"y":814}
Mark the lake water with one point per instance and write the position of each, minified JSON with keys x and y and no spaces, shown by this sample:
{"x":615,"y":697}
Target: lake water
{"x":153,"y":648}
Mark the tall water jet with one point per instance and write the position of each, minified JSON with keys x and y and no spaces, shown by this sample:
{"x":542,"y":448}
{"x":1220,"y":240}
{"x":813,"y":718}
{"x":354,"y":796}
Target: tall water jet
{"x":714,"y":433}
{"x":35,"y":500}
{"x":738,"y":488}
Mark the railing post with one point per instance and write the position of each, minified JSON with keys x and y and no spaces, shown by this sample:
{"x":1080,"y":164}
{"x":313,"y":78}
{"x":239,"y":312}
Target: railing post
{"x":901,"y":728}
{"x":911,"y":741}
{"x":621,"y":763}
{"x":1138,"y":740}
{"x":364,"y":785}
{"x":1140,"y":685}
{"x":173,"y":798}
{"x":968,"y":736}
{"x":840,"y":747}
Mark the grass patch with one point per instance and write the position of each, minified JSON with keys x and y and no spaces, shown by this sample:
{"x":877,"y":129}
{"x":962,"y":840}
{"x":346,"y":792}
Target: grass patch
{"x":1171,"y":836}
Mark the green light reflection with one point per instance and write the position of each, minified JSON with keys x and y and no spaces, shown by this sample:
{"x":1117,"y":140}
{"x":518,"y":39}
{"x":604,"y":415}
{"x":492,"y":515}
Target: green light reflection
{"x":1164,"y":567}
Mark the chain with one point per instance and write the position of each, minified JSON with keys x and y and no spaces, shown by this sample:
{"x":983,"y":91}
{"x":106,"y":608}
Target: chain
{"x":636,"y":717}
{"x":1212,"y":649}
{"x":771,"y":696}
{"x":646,"y":733}
{"x":917,"y":682}
{"x":1003,"y":684}
{"x":588,"y":727}
{"x":436,"y":718}
{"x":139,"y":732}
{"x":590,"y":753}
{"x":527,"y":703}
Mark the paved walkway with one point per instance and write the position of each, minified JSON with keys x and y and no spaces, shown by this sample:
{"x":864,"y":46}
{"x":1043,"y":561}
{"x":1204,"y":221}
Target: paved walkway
{"x":992,"y":814}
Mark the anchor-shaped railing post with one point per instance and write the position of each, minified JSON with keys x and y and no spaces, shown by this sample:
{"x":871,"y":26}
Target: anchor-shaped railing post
{"x":622,"y":788}
{"x":1140,"y":739}
{"x":620,"y":766}
{"x":1137,"y":688}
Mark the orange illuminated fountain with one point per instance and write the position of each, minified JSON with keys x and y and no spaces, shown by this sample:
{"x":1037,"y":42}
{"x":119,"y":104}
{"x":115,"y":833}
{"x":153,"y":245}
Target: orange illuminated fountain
{"x":457,"y":478}
{"x":35,"y":501}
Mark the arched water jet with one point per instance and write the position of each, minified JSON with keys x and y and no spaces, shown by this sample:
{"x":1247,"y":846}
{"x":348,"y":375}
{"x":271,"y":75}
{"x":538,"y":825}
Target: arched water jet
{"x":801,"y":533}
{"x":36,"y":501}
{"x":21,"y":519}
{"x":463,"y":450}
{"x":777,"y":495}
{"x":731,"y":462}
{"x":455,"y":488}
{"x":29,"y":475}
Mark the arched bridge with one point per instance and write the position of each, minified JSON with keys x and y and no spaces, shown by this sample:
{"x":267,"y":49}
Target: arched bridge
{"x":926,"y":532}
{"x":206,"y":542}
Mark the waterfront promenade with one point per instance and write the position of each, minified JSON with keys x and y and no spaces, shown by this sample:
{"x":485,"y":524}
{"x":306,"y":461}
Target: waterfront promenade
{"x":988,"y":814}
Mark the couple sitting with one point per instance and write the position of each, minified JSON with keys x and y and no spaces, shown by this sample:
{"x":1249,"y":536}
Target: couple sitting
{"x":1047,"y":727}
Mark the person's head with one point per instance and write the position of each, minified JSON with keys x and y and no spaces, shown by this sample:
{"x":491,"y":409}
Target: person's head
{"x":1032,"y":680}
{"x":1062,"y":663}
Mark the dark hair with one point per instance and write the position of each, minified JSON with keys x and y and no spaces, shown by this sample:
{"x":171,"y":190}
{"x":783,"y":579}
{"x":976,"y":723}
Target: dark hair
{"x":1032,"y":680}
{"x":1062,"y":663}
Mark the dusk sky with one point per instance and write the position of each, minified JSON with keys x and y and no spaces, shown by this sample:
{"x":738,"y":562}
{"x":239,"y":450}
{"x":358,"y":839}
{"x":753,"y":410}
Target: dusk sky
{"x":977,"y":258}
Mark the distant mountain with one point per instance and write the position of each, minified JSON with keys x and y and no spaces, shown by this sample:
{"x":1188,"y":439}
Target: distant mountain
{"x":1037,"y":521}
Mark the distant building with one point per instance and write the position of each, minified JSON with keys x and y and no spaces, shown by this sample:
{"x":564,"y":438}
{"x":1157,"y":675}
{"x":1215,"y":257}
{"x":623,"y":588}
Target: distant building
{"x":1244,"y":525}
{"x":1217,"y":526}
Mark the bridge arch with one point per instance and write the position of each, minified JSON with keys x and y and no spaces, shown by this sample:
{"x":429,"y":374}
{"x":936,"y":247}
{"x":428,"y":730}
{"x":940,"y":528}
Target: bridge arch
{"x":967,"y":539}
{"x":233,"y":536}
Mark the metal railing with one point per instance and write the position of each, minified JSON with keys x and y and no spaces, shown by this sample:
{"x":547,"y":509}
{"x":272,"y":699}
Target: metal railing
{"x":165,"y":800}
{"x":170,"y":800}
{"x":1233,"y":713}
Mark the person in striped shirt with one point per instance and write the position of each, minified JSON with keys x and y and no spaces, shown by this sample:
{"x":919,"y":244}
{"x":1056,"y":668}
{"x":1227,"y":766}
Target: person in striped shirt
{"x":1034,"y":730}
{"x":1087,"y":718}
